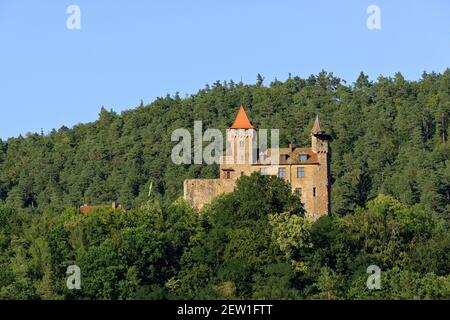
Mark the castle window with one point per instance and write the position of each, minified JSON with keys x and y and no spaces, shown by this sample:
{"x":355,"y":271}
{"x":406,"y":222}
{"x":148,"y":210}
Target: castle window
{"x":242,"y":173}
{"x":303,"y":157}
{"x":298,"y":192}
{"x":228,"y":174}
{"x":284,"y":157}
{"x":282,"y":173}
{"x":300,"y":172}
{"x":314,"y":191}
{"x":264,"y":171}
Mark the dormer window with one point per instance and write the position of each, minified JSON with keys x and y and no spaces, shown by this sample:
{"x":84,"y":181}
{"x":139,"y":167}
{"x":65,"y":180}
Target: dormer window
{"x":303,"y":157}
{"x":284,"y":157}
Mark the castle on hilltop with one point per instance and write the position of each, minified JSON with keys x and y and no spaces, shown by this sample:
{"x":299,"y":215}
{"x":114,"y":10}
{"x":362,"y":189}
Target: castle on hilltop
{"x":306,"y":169}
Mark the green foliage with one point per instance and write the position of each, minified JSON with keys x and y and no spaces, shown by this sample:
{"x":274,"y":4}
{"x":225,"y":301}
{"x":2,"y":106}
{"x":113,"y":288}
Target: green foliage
{"x":270,"y":252}
{"x":390,"y":200}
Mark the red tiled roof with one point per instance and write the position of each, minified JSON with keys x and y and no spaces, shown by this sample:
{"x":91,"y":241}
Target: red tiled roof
{"x":86,"y":209}
{"x":241,"y":121}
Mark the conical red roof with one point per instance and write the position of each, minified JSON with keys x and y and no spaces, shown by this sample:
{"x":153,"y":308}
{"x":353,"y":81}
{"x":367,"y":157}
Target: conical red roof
{"x":241,"y":121}
{"x":316,"y":128}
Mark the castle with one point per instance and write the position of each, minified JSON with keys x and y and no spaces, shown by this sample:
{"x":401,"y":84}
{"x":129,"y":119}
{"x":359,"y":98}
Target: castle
{"x":306,"y":169}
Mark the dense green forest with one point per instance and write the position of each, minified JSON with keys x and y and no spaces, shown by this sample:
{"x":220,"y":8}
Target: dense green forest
{"x":390,"y":199}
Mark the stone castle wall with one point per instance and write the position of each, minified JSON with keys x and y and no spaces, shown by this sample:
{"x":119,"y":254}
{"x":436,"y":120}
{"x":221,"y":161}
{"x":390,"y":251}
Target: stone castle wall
{"x":202,"y":191}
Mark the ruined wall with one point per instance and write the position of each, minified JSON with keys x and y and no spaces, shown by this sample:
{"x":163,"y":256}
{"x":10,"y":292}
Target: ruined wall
{"x":202,"y":191}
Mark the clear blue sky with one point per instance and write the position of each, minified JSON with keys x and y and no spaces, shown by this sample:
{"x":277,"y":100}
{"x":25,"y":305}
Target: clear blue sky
{"x":128,"y":50}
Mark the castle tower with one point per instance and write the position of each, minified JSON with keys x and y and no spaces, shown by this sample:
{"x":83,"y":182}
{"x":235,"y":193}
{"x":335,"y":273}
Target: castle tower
{"x":322,"y":187}
{"x":241,"y":148}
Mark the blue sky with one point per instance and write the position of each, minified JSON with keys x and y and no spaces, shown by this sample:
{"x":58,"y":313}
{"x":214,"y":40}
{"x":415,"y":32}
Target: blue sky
{"x":128,"y":50}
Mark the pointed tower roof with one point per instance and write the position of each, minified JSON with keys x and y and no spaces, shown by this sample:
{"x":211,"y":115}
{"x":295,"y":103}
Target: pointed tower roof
{"x":316,"y":128}
{"x":241,"y":121}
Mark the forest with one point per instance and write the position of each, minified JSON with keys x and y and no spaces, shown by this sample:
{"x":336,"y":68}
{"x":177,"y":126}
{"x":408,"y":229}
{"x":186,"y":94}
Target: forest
{"x":390,"y":203}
